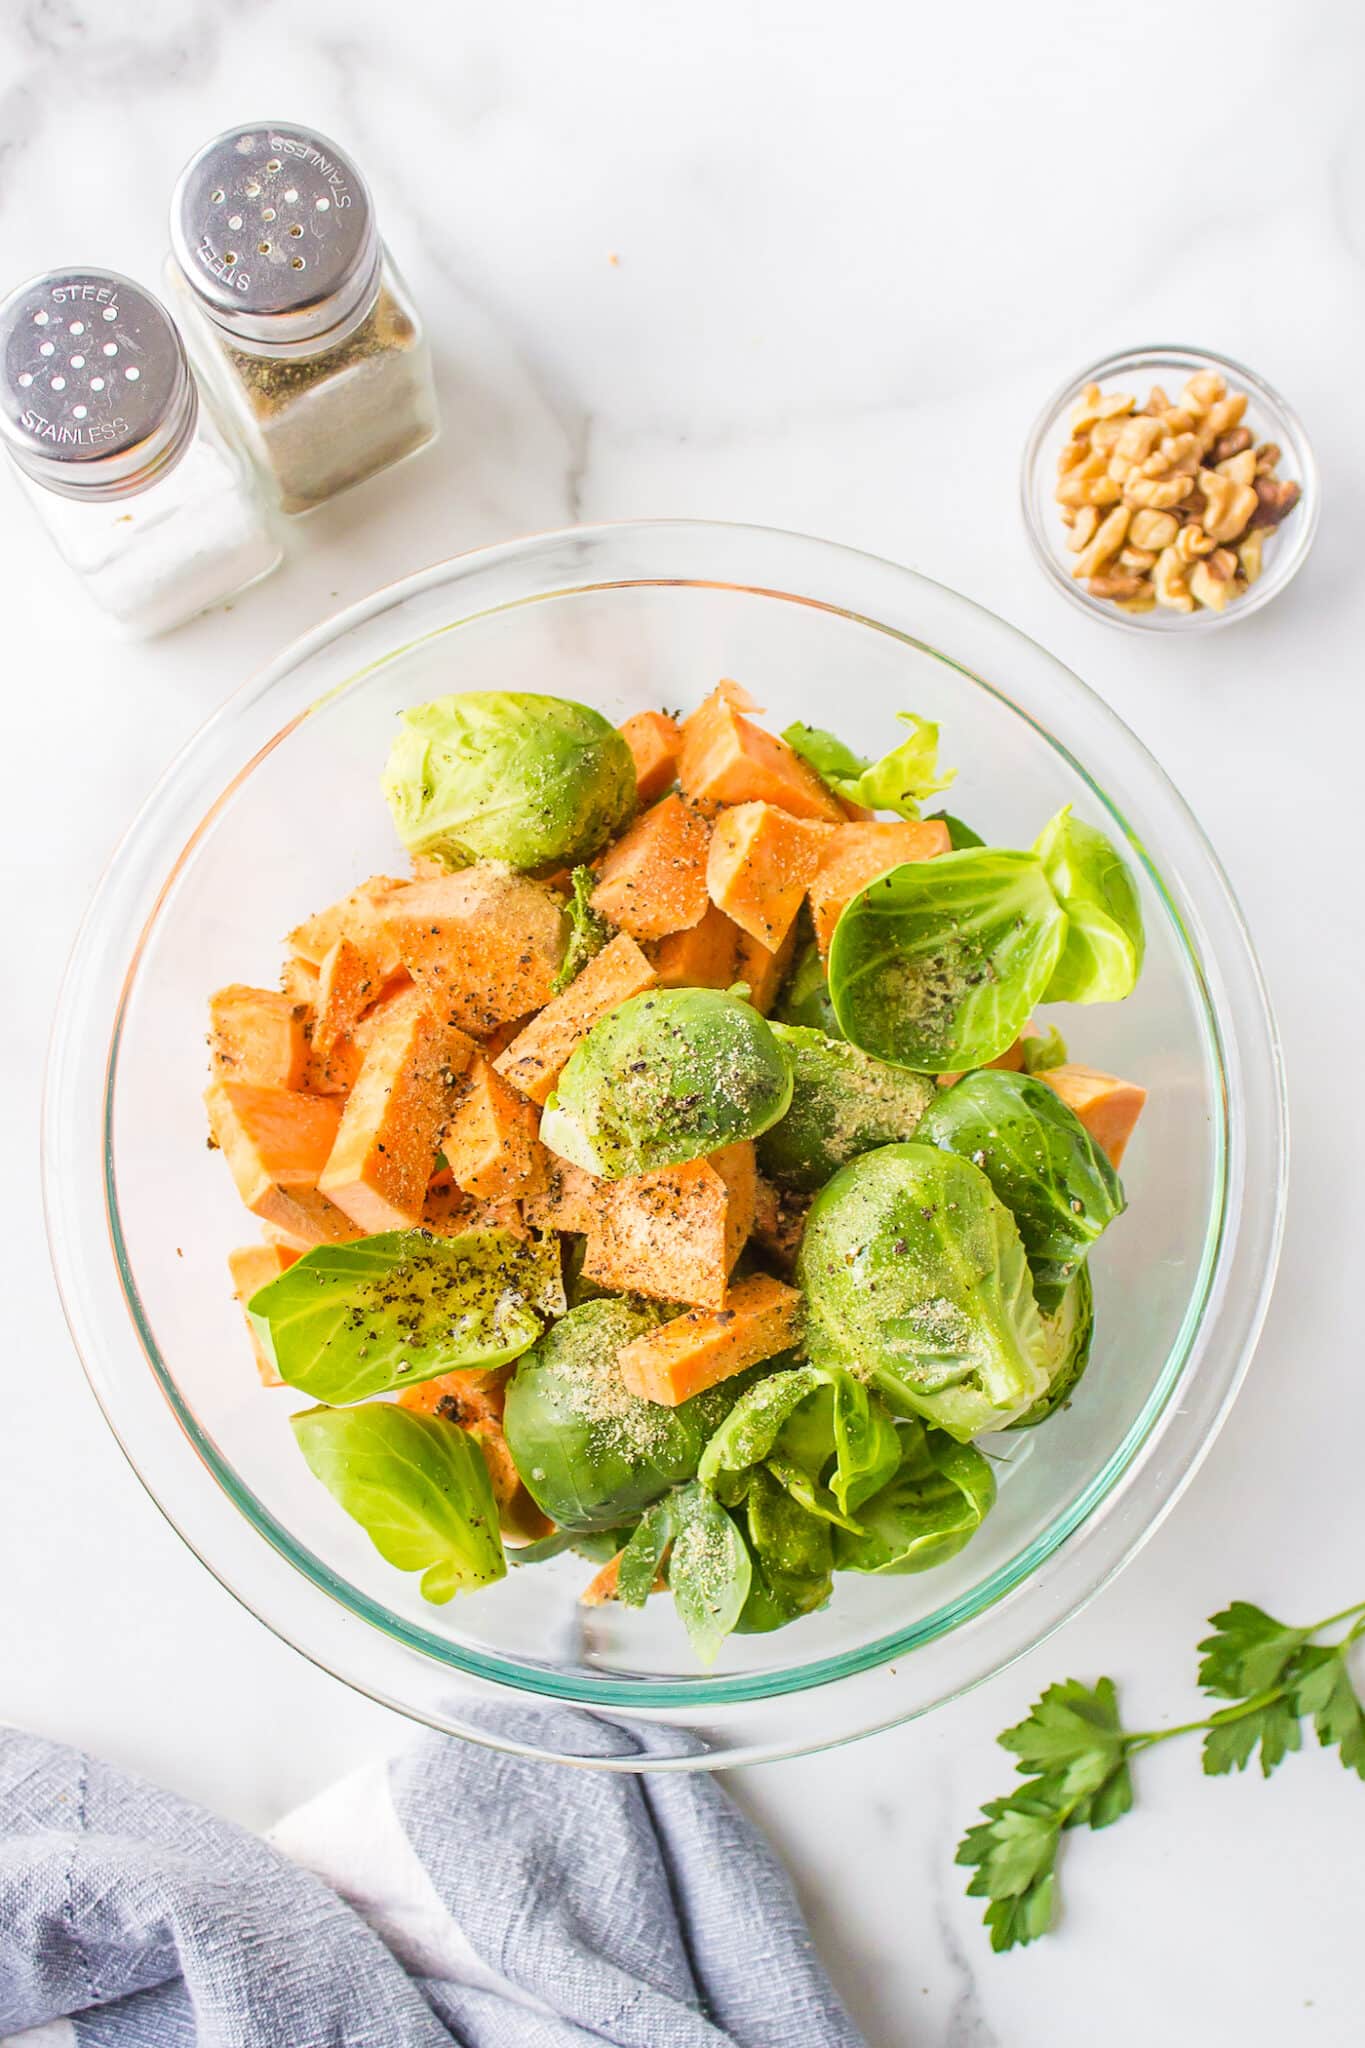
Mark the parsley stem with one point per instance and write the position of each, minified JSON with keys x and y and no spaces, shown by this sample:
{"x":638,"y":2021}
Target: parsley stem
{"x":1149,"y":1737}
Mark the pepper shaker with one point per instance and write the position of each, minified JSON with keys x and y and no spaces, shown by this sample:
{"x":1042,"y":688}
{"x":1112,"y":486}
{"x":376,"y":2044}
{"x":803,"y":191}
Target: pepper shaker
{"x":294,"y":313}
{"x":132,"y":478}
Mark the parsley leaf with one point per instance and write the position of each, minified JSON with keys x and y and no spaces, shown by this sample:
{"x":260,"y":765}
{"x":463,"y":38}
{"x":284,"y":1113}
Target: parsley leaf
{"x":1234,"y":1735}
{"x":1325,"y":1691}
{"x":1248,"y":1651}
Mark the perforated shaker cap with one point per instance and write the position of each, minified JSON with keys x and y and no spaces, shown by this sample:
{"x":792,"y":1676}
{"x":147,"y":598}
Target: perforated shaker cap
{"x":96,"y":396}
{"x":273,"y":229}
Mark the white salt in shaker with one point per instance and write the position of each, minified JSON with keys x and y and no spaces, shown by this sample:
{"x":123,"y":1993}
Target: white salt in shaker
{"x":293,"y":312}
{"x":133,"y":480}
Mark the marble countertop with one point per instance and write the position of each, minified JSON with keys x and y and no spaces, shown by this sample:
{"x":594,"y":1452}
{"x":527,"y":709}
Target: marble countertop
{"x":815,"y":269}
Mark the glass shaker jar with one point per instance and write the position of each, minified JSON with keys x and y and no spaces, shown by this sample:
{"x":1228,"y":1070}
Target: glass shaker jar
{"x":294,"y":313}
{"x":131,"y":477}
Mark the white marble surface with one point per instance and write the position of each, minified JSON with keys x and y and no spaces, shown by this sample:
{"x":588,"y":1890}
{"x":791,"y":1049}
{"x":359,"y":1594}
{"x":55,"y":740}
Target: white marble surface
{"x":856,"y":246}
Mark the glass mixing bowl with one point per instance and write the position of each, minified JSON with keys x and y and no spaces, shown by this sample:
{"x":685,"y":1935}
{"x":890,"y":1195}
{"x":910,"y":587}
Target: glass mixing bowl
{"x":275,"y":809}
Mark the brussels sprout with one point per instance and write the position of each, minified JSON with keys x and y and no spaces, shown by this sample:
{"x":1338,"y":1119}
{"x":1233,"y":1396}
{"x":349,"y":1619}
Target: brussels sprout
{"x":805,"y":998}
{"x":1057,"y":1183}
{"x":1068,"y":1333}
{"x":1102,"y":957}
{"x":791,"y":1555}
{"x":817,"y":1431}
{"x":915,"y":1279}
{"x":933,"y":1506}
{"x":843,"y":1102}
{"x":417,"y":1485}
{"x":667,"y":1077}
{"x":898,"y":782}
{"x":937,"y":965}
{"x":590,"y":1453}
{"x":507,"y":775}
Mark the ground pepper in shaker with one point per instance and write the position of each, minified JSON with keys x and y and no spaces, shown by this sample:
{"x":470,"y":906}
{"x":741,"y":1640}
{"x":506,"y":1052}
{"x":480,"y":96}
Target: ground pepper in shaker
{"x":129,"y":473}
{"x":294,"y":313}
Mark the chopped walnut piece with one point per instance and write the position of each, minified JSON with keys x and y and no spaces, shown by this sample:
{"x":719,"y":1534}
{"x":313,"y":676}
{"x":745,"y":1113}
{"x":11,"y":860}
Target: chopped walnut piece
{"x":1275,"y":499}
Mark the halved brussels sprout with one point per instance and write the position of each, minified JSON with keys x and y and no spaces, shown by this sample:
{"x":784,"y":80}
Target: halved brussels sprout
{"x":1056,"y":1182}
{"x":843,"y":1102}
{"x":1102,"y":957}
{"x":667,"y":1077}
{"x":915,"y":1279}
{"x":591,"y":1454}
{"x":1068,"y":1334}
{"x":932,"y":1507}
{"x":508,"y":775}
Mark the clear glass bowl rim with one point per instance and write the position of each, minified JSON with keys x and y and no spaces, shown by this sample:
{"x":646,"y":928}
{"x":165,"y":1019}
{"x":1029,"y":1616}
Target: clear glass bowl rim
{"x":1292,"y":549}
{"x":1065,"y":1591}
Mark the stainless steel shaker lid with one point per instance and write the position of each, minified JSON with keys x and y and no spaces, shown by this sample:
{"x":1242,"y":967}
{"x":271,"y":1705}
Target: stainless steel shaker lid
{"x":96,"y":395}
{"x":273,"y":228}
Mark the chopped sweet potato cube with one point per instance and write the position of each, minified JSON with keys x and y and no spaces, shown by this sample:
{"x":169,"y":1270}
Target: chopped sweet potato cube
{"x":518,"y":1514}
{"x":346,"y":990}
{"x":857,"y":853}
{"x":483,"y":945}
{"x":764,"y":968}
{"x":394,"y":1117}
{"x":569,"y":1199}
{"x":1109,"y":1108}
{"x":727,"y":759}
{"x":535,"y":1059}
{"x":673,"y":1235}
{"x":653,"y":880}
{"x":605,"y":1585}
{"x":258,"y":1035}
{"x":760,"y":864}
{"x":358,"y":917}
{"x":252,"y":1267}
{"x":271,"y":1138}
{"x":491,"y":1138}
{"x":476,"y":1394}
{"x":299,"y":1218}
{"x":299,"y":980}
{"x":702,"y":957}
{"x":655,"y":743}
{"x":761,"y":1317}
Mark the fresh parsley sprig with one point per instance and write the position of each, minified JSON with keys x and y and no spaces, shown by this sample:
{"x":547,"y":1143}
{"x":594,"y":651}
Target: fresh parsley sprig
{"x":1074,"y":1751}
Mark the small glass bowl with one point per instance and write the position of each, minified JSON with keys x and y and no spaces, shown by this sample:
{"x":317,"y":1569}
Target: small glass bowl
{"x":1270,"y":419}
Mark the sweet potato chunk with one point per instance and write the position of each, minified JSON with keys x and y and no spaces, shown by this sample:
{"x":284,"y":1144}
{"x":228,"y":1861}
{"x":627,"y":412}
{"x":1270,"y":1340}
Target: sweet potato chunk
{"x":394,"y":1117}
{"x":703,"y":957}
{"x":474,"y":1401}
{"x":674,"y":1234}
{"x":491,"y":1138}
{"x":358,"y":917}
{"x":761,"y":862}
{"x":299,"y":980}
{"x":535,"y":1059}
{"x":258,"y":1035}
{"x":252,"y":1267}
{"x":1109,"y":1108}
{"x":299,"y":1218}
{"x":857,"y":854}
{"x":653,"y":880}
{"x":483,"y":945}
{"x":780,"y":1221}
{"x":655,"y":743}
{"x":727,"y":759}
{"x":764,"y":968}
{"x":346,"y":990}
{"x":473,"y":1395}
{"x":271,"y":1137}
{"x":761,"y":1317}
{"x":569,"y":1199}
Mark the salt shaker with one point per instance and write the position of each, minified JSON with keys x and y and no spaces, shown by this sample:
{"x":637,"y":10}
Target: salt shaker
{"x":132,"y":478}
{"x":293,"y":311}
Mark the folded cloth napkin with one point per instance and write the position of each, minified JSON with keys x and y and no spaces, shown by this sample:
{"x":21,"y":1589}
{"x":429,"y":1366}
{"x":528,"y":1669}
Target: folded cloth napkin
{"x":455,"y":1894}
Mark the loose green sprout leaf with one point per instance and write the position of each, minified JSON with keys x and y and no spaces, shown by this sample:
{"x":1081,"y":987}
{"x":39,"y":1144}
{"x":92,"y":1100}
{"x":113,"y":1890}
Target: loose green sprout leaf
{"x":1056,"y":1182}
{"x":644,"y":1554}
{"x":589,"y":932}
{"x":820,"y":1434}
{"x":348,"y":1321}
{"x":709,"y":1570}
{"x":843,"y":1102}
{"x":805,"y":999}
{"x":1102,"y":958}
{"x":926,"y":1513}
{"x":508,"y":775}
{"x":1042,"y":1051}
{"x":900,"y":781}
{"x":960,"y":836}
{"x":791,"y":1557}
{"x":417,"y":1485}
{"x":667,"y":1077}
{"x":915,"y":1279}
{"x":938,"y":964}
